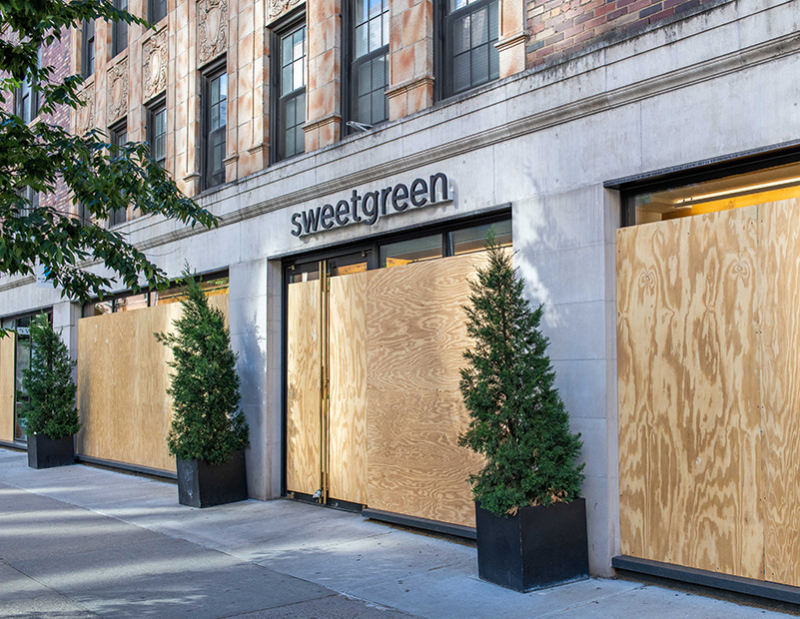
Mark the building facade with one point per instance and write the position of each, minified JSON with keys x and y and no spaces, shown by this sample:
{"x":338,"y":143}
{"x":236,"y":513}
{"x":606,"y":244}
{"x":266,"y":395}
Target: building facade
{"x":356,"y":154}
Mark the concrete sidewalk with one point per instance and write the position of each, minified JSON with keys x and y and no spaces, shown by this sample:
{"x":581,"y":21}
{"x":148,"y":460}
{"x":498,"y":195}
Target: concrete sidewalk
{"x":83,"y":542}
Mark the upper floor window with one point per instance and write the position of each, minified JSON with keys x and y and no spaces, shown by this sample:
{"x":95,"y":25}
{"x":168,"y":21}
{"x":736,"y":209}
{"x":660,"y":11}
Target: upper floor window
{"x":369,"y":69}
{"x":32,"y":197}
{"x":157,"y":132}
{"x":119,"y":30}
{"x":87,"y":48}
{"x":215,"y":112}
{"x":119,"y":137}
{"x":290,"y":91}
{"x":26,"y":99}
{"x":156,"y":10}
{"x":470,"y":34}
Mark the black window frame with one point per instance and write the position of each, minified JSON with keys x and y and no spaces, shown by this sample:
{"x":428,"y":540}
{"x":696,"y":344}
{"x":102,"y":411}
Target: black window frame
{"x":119,"y":31}
{"x":115,"y":133}
{"x":155,"y":107}
{"x":290,"y":24}
{"x":209,"y":178}
{"x":87,"y":48}
{"x":350,"y":66}
{"x":444,"y":55}
{"x":156,"y":11}
{"x":699,"y":172}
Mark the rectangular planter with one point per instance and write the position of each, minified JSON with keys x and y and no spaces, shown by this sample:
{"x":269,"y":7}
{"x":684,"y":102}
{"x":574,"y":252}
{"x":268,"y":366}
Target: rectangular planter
{"x":45,"y":453}
{"x":203,"y":485}
{"x":538,"y":547}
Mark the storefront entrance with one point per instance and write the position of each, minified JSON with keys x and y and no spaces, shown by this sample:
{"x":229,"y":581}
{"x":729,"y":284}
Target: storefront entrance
{"x":374,"y":346}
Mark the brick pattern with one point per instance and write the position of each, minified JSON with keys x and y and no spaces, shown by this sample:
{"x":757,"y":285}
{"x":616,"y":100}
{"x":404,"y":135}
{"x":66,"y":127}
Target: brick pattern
{"x":57,"y":56}
{"x":560,"y":29}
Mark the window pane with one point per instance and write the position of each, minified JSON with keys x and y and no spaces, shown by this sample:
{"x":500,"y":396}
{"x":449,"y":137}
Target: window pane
{"x":299,"y":80}
{"x":379,"y":73}
{"x":480,"y":65}
{"x":378,"y":101}
{"x":132,"y":302}
{"x":364,"y":85}
{"x":361,"y":12}
{"x":223,"y":113}
{"x":286,"y":50}
{"x":361,"y":40}
{"x":461,"y":73}
{"x":493,"y":21}
{"x":286,"y":80}
{"x":290,"y":113}
{"x":375,"y":34}
{"x":480,"y":27}
{"x":375,"y":8}
{"x":298,"y":44}
{"x":364,"y":108}
{"x":290,"y":139}
{"x":472,"y":239}
{"x":461,"y":30}
{"x":415,"y":250}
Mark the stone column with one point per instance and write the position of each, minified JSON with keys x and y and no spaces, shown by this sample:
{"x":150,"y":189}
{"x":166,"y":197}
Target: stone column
{"x":513,"y":37}
{"x":65,"y":320}
{"x":410,"y":57}
{"x":324,"y":85}
{"x":247,"y":319}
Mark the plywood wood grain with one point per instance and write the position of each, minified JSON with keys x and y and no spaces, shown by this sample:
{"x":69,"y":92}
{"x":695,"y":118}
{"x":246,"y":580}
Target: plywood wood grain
{"x":347,"y":408}
{"x":122,"y":385}
{"x":415,"y":339}
{"x":690,"y":451}
{"x":7,"y":347}
{"x":780,"y":372}
{"x":303,"y":388}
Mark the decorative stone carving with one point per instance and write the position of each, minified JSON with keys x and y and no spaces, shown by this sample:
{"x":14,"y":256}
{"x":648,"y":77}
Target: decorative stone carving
{"x":118,"y":91}
{"x":154,"y":53}
{"x":85,"y":114}
{"x":279,"y":7}
{"x":212,"y":19}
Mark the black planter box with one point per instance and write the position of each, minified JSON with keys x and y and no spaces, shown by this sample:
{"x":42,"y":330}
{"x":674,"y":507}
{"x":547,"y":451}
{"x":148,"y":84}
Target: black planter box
{"x":45,"y":453}
{"x":539,"y":547}
{"x":203,"y":485}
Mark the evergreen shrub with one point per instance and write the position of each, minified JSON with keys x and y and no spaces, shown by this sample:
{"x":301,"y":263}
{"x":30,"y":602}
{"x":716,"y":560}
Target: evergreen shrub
{"x":207,"y":423}
{"x":518,"y":421}
{"x":48,"y":382}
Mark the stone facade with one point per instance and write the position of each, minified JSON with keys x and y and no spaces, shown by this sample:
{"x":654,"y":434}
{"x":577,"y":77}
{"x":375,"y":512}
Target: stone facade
{"x":604,"y":93}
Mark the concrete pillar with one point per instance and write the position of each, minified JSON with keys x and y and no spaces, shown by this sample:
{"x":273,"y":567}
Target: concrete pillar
{"x":410,"y":57}
{"x":250,"y":339}
{"x":65,"y":320}
{"x":323,"y":88}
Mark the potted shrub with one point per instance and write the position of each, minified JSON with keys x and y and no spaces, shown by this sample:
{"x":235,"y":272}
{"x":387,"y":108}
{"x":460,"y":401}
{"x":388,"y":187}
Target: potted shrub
{"x":50,"y":417}
{"x":531,"y":523}
{"x":209,"y":432}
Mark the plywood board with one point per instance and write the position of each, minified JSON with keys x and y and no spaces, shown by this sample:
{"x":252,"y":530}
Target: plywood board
{"x":416,"y":335}
{"x":7,"y":348}
{"x":780,"y":372}
{"x":303,"y":472}
{"x":689,"y":398}
{"x":122,"y":385}
{"x":347,"y":407}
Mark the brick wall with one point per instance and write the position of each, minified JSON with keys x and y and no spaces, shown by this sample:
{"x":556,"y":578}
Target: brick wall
{"x":56,"y":55}
{"x":560,"y":29}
